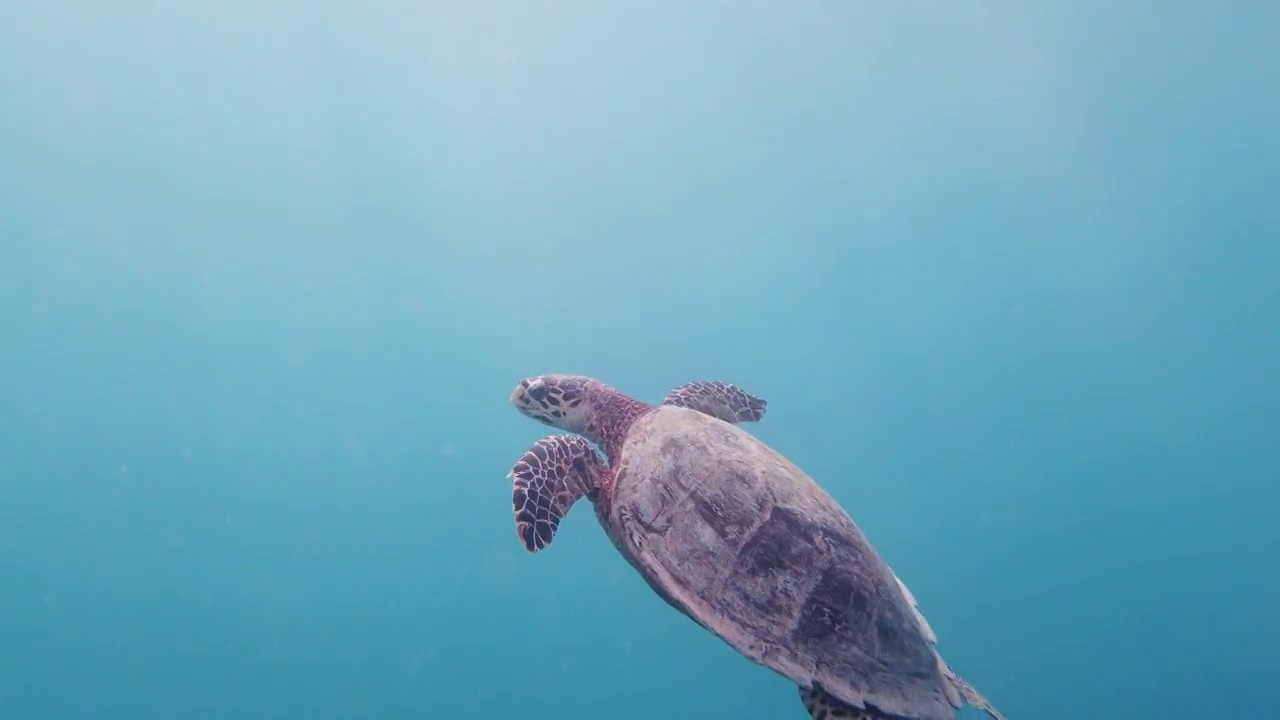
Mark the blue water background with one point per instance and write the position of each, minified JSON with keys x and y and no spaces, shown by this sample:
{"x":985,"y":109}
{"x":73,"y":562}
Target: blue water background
{"x":1005,"y":271}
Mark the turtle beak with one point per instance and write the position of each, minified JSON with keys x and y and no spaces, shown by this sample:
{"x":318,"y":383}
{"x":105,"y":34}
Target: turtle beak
{"x":520,"y":396}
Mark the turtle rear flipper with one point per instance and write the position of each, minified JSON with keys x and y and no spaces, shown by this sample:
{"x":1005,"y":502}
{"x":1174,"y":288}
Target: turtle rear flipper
{"x":822,"y":706}
{"x":967,"y":692}
{"x":729,"y":403}
{"x":546,"y":481}
{"x":971,"y":695}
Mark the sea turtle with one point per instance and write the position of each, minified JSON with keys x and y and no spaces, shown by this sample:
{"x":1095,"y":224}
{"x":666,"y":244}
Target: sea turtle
{"x":737,"y":538}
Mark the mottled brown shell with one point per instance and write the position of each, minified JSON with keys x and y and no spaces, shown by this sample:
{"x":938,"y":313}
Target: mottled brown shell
{"x":742,"y":541}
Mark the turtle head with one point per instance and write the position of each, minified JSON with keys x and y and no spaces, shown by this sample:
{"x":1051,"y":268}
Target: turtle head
{"x":561,"y":401}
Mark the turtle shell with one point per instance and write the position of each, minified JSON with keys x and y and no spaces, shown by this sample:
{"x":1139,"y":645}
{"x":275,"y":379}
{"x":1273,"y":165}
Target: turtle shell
{"x":739,"y":539}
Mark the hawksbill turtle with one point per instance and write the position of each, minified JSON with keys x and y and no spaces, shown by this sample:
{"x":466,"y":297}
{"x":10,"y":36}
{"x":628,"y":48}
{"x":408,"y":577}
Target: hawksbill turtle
{"x":737,"y":538}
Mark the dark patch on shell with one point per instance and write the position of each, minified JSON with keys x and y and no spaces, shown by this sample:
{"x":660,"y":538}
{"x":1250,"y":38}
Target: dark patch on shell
{"x":770,"y":548}
{"x":836,"y":604}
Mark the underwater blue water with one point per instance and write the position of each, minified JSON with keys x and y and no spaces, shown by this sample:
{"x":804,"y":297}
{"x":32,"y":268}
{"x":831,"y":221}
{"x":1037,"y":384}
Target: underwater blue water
{"x":1006,"y":273}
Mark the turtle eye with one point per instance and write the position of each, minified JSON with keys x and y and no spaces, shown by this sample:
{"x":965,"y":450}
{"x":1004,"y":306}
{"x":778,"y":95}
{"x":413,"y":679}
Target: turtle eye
{"x":538,"y":392}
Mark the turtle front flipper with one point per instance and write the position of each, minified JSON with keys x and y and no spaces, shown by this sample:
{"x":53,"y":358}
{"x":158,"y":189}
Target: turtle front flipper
{"x":729,"y":403}
{"x":547,"y":481}
{"x":822,"y":706}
